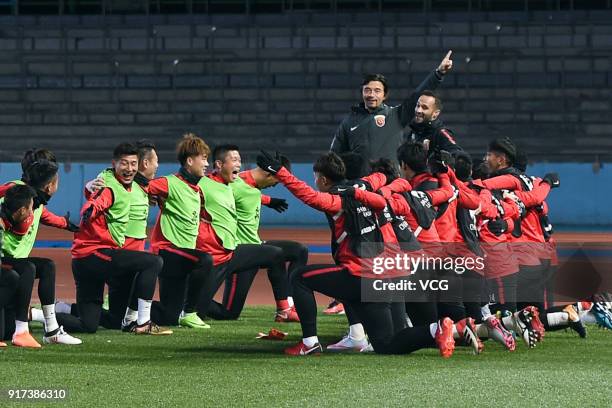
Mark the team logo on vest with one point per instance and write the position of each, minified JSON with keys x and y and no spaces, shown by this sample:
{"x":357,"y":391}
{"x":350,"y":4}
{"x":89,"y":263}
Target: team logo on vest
{"x":380,"y":120}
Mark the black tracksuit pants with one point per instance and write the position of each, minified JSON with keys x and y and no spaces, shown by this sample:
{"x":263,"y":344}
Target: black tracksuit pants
{"x":134,"y":272}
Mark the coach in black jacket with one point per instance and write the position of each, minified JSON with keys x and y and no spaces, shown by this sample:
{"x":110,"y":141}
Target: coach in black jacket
{"x":374,"y":129}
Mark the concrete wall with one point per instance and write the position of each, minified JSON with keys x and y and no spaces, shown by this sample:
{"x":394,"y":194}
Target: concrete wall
{"x":581,"y":200}
{"x":80,"y":84}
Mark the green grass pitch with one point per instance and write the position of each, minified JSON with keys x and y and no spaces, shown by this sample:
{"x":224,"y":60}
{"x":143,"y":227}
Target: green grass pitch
{"x":227,"y":366}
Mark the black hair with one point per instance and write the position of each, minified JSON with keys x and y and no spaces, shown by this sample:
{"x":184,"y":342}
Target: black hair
{"x":353,"y":163}
{"x":124,"y":149}
{"x":480,"y":170}
{"x":17,"y":197}
{"x":375,"y":77}
{"x":436,"y":96}
{"x":386,"y":167}
{"x":414,"y":155}
{"x":331,"y":166}
{"x":145,"y":147}
{"x":220,"y":152}
{"x":35,"y":154}
{"x":505,"y":146}
{"x":462,"y":165}
{"x":521,"y":160}
{"x":39,"y":173}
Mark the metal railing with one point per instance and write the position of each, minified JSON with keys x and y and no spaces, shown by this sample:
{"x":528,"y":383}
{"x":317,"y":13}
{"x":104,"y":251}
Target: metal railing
{"x":71,"y":7}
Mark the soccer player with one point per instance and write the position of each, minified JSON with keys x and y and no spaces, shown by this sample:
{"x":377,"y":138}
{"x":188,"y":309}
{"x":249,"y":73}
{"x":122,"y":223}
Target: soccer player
{"x":231,"y":258}
{"x":248,"y":198}
{"x":42,"y":175}
{"x":186,"y":269}
{"x":98,"y":257}
{"x":16,"y":207}
{"x":344,"y":280}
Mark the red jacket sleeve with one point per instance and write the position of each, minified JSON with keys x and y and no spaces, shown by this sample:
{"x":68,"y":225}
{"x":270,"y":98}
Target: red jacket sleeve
{"x":443,"y":193}
{"x":506,"y":182}
{"x":376,"y":180}
{"x":325,"y":202}
{"x":373,"y":200}
{"x":467,"y":198}
{"x":399,"y":185}
{"x":53,"y":220}
{"x":265,"y":199}
{"x":5,"y":187}
{"x":487,"y":208}
{"x":511,"y":210}
{"x":159,"y":187}
{"x":536,"y":196}
{"x":100,"y":202}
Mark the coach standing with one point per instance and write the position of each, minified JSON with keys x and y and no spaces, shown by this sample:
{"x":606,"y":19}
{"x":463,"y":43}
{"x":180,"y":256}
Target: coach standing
{"x":373,"y":129}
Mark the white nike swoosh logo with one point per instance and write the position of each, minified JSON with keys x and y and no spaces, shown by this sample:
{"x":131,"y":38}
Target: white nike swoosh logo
{"x":340,"y":190}
{"x":353,"y":128}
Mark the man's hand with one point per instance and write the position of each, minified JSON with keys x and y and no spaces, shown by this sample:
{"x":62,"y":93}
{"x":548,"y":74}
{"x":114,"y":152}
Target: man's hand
{"x":447,"y":63}
{"x":70,"y":226}
{"x":438,"y":162}
{"x":498,"y":226}
{"x":552,"y":179}
{"x":269,"y":163}
{"x":95,"y":185}
{"x":278,"y":204}
{"x":87,"y":214}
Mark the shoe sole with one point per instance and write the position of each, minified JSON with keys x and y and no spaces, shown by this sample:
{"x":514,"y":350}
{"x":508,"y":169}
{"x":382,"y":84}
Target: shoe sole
{"x":447,"y":326}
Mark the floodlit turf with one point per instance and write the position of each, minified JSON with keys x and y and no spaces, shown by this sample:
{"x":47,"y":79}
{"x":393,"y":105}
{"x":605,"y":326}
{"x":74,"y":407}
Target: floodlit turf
{"x":227,"y":366}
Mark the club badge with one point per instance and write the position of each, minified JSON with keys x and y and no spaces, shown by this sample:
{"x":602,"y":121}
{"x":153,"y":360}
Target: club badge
{"x":380,"y":120}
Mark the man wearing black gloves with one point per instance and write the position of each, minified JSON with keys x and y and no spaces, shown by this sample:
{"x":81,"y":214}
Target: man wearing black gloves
{"x":373,"y":129}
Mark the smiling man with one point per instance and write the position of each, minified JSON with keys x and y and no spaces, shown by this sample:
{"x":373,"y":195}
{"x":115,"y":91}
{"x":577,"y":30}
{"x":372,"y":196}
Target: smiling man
{"x":374,"y":129}
{"x":98,"y":257}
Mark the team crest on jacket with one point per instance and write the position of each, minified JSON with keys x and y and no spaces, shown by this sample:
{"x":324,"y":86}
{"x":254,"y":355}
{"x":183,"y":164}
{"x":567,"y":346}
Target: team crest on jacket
{"x":380,"y":120}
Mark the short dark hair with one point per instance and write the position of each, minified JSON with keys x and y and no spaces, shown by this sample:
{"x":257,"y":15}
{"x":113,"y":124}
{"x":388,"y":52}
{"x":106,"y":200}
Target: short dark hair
{"x":375,"y":77}
{"x":436,"y":96}
{"x":331,"y":166}
{"x":462,"y":165}
{"x":386,"y":167}
{"x":220,"y":151}
{"x":124,"y":149}
{"x":353,"y":163}
{"x":413,"y":155}
{"x":17,"y":197}
{"x":521,"y":160}
{"x":189,"y":146}
{"x":145,"y":147}
{"x":34,"y":154}
{"x":40,"y":173}
{"x":505,"y":146}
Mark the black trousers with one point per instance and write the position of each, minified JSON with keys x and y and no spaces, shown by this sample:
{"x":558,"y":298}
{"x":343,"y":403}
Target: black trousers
{"x":502,"y":293}
{"x":134,"y":272}
{"x":296,"y":254}
{"x":377,"y":318}
{"x":29,"y":269}
{"x":422,"y":306}
{"x":240,"y":273}
{"x":531,"y":284}
{"x":181,"y":282}
{"x":9,"y":282}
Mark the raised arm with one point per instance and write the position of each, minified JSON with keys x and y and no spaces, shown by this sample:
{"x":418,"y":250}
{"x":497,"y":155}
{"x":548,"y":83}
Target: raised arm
{"x":431,"y":82}
{"x":325,"y":202}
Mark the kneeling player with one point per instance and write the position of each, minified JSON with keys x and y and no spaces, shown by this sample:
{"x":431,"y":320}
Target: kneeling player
{"x":98,"y":260}
{"x":344,"y":280}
